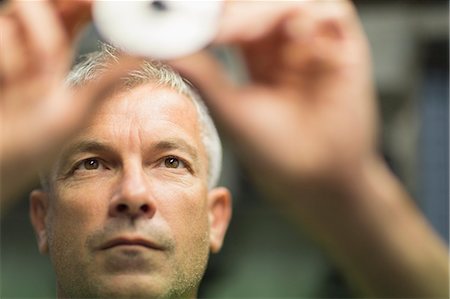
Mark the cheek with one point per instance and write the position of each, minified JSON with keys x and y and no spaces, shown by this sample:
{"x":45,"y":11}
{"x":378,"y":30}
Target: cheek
{"x":84,"y":206}
{"x":185,"y":211}
{"x":74,"y":214}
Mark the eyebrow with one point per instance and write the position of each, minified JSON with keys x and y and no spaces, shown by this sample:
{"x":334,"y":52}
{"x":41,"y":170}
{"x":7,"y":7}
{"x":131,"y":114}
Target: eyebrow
{"x":178,"y":144}
{"x":85,"y":146}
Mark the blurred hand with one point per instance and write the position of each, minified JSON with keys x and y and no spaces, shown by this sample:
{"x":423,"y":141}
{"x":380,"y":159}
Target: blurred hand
{"x":37,"y":112}
{"x":306,"y":124}
{"x":308,"y":110}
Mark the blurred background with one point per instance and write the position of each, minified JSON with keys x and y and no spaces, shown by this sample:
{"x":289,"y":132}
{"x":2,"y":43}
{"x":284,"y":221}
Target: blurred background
{"x":263,"y":256}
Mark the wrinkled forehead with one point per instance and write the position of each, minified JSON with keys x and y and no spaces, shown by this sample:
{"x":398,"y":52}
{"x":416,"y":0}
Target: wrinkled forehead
{"x":149,"y":101}
{"x":146,"y":113}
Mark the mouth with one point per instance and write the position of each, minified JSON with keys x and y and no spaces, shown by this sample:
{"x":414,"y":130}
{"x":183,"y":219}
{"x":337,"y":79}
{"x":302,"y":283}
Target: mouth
{"x":127,"y":242}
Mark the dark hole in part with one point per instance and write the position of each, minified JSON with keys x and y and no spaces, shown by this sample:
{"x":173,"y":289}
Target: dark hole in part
{"x":145,"y":208}
{"x":159,"y":5}
{"x":122,"y":207}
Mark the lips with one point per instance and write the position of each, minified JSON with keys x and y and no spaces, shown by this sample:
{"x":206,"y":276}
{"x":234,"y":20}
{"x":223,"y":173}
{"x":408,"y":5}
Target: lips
{"x":130,"y":242}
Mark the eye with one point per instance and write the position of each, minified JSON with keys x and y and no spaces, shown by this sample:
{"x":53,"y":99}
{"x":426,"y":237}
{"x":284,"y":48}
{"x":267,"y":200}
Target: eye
{"x":173,"y":162}
{"x":89,"y":164}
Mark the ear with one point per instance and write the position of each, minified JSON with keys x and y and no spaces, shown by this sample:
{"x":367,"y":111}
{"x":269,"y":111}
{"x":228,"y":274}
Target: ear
{"x":219,"y":205}
{"x":38,"y":213}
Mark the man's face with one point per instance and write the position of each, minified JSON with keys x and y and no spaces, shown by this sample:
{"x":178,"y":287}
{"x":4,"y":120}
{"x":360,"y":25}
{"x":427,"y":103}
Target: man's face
{"x":129,"y":213}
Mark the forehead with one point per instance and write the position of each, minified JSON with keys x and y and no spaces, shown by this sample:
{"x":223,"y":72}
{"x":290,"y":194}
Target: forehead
{"x":146,"y":113}
{"x":147,"y":102}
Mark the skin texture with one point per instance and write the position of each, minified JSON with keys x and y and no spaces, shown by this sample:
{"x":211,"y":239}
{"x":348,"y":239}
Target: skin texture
{"x":132,"y":192}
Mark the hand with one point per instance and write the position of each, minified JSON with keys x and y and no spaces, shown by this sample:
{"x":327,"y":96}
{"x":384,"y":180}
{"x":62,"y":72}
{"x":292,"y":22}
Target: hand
{"x":307,"y":118}
{"x":37,"y":111}
{"x":308,"y":110}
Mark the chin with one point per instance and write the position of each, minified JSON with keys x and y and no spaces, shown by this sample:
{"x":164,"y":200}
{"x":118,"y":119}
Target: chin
{"x":133,"y":286}
{"x":139,"y":286}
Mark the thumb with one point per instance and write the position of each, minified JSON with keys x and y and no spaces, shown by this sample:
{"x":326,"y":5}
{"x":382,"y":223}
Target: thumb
{"x":74,"y":15}
{"x":85,"y":100}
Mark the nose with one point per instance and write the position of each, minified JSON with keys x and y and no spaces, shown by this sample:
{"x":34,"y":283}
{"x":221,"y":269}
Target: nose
{"x":133,"y":197}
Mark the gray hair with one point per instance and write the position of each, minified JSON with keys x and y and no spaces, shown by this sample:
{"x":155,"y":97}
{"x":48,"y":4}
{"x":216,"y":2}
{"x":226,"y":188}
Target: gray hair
{"x":93,"y":64}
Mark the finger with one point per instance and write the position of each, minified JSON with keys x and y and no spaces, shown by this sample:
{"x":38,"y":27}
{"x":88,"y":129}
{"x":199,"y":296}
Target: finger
{"x":328,"y":14}
{"x":74,"y":14}
{"x":43,"y":30}
{"x":237,"y":24}
{"x":85,"y":99}
{"x":323,"y":35}
{"x":209,"y":76}
{"x":13,"y":58}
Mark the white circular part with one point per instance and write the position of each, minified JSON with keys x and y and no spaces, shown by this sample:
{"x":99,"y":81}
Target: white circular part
{"x":162,"y":29}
